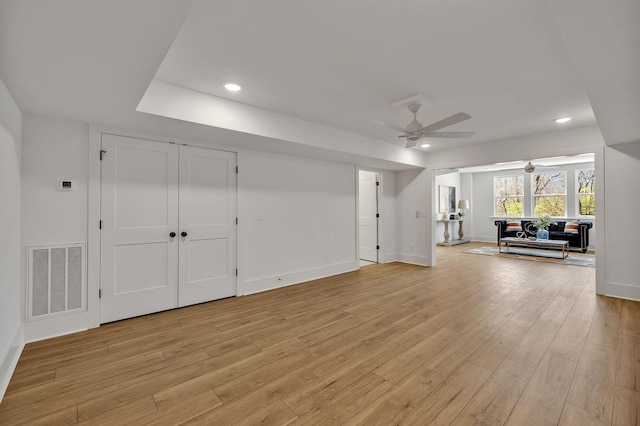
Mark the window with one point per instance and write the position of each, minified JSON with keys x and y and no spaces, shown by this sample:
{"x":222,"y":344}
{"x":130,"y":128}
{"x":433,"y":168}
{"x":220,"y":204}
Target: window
{"x":586,"y":192}
{"x":509,"y":193}
{"x":549,"y":194}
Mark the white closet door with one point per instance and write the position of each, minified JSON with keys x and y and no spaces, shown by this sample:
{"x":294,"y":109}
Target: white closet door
{"x":208,"y":221}
{"x":368,"y":208}
{"x":139,"y":210}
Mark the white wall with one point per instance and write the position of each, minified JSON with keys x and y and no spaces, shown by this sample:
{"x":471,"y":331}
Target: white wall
{"x":54,"y":149}
{"x":414,"y":195}
{"x":482,"y":203}
{"x":298,"y":220}
{"x":621,"y":274}
{"x":388,"y":219}
{"x":11,"y":340}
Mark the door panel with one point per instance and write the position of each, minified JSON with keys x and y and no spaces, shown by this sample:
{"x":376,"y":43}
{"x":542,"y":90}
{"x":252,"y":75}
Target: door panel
{"x":368,"y":222}
{"x":139,"y":260}
{"x":208,"y":216}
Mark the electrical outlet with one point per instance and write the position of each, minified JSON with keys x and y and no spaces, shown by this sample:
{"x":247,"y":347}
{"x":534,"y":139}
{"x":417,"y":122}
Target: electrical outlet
{"x":412,"y":247}
{"x":326,"y":256}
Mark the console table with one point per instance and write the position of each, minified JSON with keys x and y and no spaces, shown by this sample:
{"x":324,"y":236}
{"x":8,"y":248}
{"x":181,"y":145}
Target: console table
{"x":460,"y":240}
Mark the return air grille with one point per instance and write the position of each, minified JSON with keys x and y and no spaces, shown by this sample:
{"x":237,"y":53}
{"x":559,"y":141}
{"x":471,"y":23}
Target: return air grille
{"x":56,"y":280}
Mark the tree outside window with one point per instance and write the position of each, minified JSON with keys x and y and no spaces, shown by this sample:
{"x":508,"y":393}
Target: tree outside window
{"x":586,"y":192}
{"x":509,"y":193}
{"x":549,"y":194}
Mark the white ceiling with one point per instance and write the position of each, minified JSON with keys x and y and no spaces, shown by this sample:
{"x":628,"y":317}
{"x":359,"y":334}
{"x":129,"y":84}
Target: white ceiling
{"x":514,"y":66}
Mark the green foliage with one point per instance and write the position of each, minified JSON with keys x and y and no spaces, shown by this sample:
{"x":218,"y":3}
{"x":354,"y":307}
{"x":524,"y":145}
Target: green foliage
{"x":543,"y":222}
{"x":509,"y":206}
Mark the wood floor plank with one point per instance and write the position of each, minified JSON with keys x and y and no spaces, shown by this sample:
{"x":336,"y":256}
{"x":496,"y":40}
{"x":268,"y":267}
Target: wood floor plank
{"x":572,"y":415}
{"x":402,"y":398}
{"x":543,"y":399}
{"x":497,"y":396}
{"x":593,"y":386}
{"x":628,"y":362}
{"x":626,"y":407}
{"x":496,"y":341}
{"x":570,"y":339}
{"x":533,"y":345}
{"x":442,"y":405}
{"x":276,"y":414}
{"x":347,"y":403}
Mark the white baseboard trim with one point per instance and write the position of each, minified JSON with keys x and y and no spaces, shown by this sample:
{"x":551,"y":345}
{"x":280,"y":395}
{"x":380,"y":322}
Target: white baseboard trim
{"x":484,"y":239}
{"x":412,"y":259}
{"x":391,"y":257}
{"x":269,"y":283}
{"x":621,"y":291}
{"x":9,"y":360}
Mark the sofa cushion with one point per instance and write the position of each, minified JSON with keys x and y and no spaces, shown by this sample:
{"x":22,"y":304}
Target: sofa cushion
{"x":513,"y":226}
{"x":572,"y":227}
{"x":557,"y":227}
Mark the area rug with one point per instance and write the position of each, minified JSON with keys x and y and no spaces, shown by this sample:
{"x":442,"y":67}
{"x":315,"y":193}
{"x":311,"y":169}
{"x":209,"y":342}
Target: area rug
{"x":575,"y":259}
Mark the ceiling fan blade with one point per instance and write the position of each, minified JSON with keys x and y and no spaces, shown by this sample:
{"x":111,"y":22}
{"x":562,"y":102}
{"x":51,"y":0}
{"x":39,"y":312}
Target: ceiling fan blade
{"x":386,"y":138}
{"x":448,"y":134}
{"x":391,"y":126}
{"x":449,"y":121}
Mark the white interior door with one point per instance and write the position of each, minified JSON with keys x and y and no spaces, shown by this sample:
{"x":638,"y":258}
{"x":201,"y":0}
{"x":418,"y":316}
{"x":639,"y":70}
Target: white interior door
{"x":207,"y":225}
{"x":139,"y":210}
{"x":368,"y":221}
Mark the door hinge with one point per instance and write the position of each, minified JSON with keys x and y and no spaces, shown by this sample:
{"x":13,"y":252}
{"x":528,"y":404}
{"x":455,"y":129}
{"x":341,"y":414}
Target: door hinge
{"x":236,"y":220}
{"x":102,"y":152}
{"x":377,"y":183}
{"x":377,"y":214}
{"x":236,"y":169}
{"x":377,"y":247}
{"x":236,"y":272}
{"x":100,"y":225}
{"x":100,"y":294}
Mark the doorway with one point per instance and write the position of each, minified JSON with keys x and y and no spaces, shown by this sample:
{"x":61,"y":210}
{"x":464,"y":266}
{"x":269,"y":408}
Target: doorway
{"x":368,"y":197}
{"x":167,"y":228}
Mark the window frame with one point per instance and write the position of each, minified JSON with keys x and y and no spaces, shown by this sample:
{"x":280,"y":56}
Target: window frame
{"x":495,"y":194}
{"x":578,"y":215}
{"x":533,"y":193}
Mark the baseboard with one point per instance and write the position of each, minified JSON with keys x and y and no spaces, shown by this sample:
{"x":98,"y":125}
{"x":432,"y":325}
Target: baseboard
{"x":297,"y":277}
{"x":483,"y":239}
{"x":412,"y":259}
{"x":621,"y":291}
{"x":9,"y":360}
{"x":391,"y":257}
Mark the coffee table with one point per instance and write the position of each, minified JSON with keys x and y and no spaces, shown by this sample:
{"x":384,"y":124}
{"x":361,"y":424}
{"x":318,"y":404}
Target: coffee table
{"x":525,"y":242}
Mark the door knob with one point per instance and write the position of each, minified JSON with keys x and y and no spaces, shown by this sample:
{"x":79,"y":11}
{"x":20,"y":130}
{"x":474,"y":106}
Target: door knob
{"x":172,"y":234}
{"x":184,"y":234}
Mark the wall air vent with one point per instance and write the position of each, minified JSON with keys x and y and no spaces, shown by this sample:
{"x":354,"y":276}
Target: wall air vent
{"x":56,"y":280}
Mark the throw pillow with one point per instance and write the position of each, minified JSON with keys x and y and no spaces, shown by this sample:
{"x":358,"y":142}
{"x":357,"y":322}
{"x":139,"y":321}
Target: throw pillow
{"x":514,"y":225}
{"x":571,"y":227}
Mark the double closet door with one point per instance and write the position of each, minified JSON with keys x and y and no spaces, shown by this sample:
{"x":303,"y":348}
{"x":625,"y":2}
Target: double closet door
{"x":168,"y":226}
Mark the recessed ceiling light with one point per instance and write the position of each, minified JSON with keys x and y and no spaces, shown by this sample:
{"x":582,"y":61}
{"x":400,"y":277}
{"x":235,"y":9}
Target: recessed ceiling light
{"x":563,"y":119}
{"x":232,"y":87}
{"x":425,"y":145}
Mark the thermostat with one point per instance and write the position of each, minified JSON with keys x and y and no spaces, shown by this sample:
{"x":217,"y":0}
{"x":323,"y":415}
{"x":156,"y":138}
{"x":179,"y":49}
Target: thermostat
{"x":65,"y":185}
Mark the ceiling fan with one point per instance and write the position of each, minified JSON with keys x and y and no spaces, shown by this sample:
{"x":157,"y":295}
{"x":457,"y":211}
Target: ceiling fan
{"x":530,"y":167}
{"x":415,"y":131}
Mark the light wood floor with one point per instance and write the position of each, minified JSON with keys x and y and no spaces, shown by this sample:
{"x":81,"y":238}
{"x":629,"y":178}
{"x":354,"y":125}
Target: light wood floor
{"x":476,"y":340}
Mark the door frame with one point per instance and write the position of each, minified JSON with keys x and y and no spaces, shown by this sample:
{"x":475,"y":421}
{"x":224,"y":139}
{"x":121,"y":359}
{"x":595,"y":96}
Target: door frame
{"x":379,"y":178}
{"x":94,"y":208}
